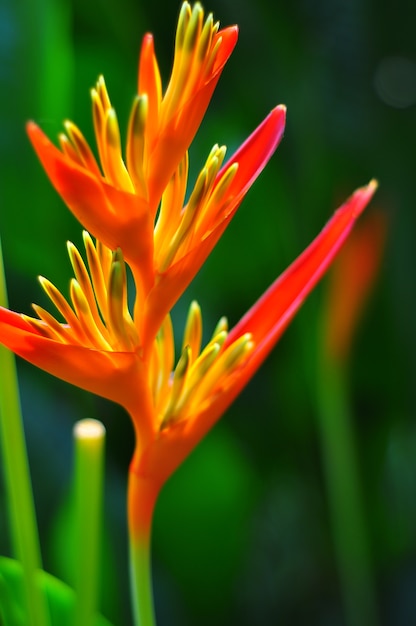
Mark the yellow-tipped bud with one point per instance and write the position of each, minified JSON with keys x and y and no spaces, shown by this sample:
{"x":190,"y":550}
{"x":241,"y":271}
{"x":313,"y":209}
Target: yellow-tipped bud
{"x":206,"y":37}
{"x":116,"y":297}
{"x":193,"y":28}
{"x":82,"y":148}
{"x":222,"y":325}
{"x":103,"y":93}
{"x":237,"y":352}
{"x":183,"y":21}
{"x":196,"y":375}
{"x":178,"y":384}
{"x":219,"y":338}
{"x":48,"y":325}
{"x":69,"y":150}
{"x":193,"y":329}
{"x":63,"y":307}
{"x":78,"y":299}
{"x":136,"y":142}
{"x":112,"y":129}
{"x":115,"y":293}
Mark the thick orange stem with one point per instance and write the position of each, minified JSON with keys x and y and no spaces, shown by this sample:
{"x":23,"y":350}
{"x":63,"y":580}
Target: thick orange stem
{"x":141,"y":500}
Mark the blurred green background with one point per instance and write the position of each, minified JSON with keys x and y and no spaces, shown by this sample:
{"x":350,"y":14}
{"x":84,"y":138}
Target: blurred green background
{"x":243,"y":531}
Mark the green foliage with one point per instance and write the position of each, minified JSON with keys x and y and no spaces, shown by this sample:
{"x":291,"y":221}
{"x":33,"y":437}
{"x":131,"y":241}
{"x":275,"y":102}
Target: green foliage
{"x":321,"y":59}
{"x":60,"y":597}
{"x":201,"y":524}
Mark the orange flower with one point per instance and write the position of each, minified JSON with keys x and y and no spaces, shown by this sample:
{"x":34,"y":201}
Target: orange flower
{"x":160,"y":128}
{"x":135,"y":207}
{"x":164,"y":258}
{"x":100,"y":349}
{"x":136,"y":202}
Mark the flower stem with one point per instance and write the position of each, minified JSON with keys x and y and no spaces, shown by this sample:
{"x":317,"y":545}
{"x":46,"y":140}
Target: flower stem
{"x":89,"y":436}
{"x":142,"y":495}
{"x":344,"y":495}
{"x":21,"y":508}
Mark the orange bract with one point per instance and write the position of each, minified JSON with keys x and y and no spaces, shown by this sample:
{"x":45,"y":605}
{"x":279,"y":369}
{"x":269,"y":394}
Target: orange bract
{"x":97,"y":345}
{"x":136,"y":201}
{"x":117,"y":197}
{"x":100,"y":349}
{"x":166,"y":255}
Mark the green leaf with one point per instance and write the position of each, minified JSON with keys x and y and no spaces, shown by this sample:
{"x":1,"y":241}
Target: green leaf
{"x":61,"y":598}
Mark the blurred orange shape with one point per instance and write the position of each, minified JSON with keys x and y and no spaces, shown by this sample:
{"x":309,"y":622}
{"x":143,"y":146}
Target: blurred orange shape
{"x":351,"y":280}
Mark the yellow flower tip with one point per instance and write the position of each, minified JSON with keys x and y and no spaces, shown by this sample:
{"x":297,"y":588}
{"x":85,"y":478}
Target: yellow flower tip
{"x":197,"y":200}
{"x":178,"y":384}
{"x":190,"y":214}
{"x":193,"y":28}
{"x":200,"y":376}
{"x":222,"y":325}
{"x":195,"y":36}
{"x":117,"y":281}
{"x":196,"y":196}
{"x":225,"y":182}
{"x":102,"y":92}
{"x":237,"y":352}
{"x":183,"y":20}
{"x":139,"y":114}
{"x":78,"y":297}
{"x":38,"y":324}
{"x":113,"y":131}
{"x":46,"y":285}
{"x":361,"y":197}
{"x":207,"y":358}
{"x":73,"y":253}
{"x":194,"y":308}
{"x":96,"y":315}
{"x":206,"y":36}
{"x":136,"y":142}
{"x":122,"y":325}
{"x":65,"y":143}
{"x":215,"y":160}
{"x":116,"y":295}
{"x":193,"y":329}
{"x":219,"y":338}
{"x":183,"y":364}
{"x":69,"y":127}
{"x":87,"y":239}
{"x":373,"y":185}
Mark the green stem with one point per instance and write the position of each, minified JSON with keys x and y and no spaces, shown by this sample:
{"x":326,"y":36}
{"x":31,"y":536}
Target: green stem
{"x":141,"y":500}
{"x":21,"y":508}
{"x":344,"y":495}
{"x":89,"y":436}
{"x":141,"y":584}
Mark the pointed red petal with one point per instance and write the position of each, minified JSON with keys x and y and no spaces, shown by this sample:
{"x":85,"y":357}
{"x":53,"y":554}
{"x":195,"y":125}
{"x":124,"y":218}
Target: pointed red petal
{"x":97,"y":371}
{"x":228,"y":36}
{"x":255,"y":152}
{"x":271,"y":314}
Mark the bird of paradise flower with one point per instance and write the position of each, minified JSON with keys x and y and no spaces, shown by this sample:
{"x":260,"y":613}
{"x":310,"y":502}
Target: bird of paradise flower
{"x":136,"y":211}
